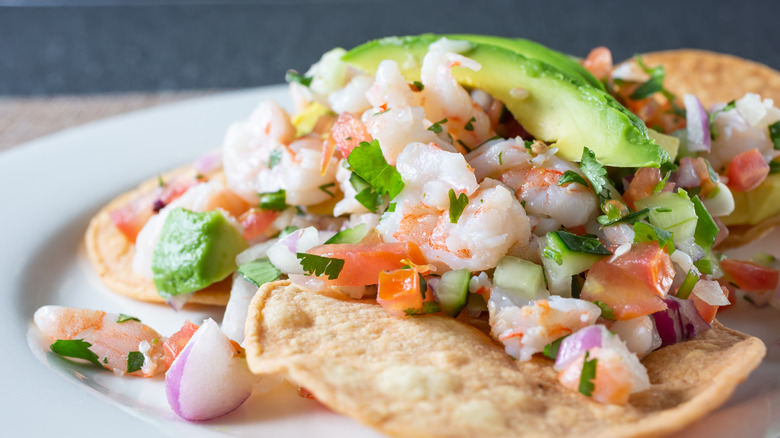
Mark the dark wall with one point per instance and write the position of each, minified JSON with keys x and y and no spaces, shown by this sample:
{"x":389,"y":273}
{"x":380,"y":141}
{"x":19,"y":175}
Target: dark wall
{"x":136,"y":46}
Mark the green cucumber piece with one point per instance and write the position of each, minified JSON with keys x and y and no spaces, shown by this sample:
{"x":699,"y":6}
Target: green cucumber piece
{"x":452,"y":291}
{"x":673,"y":212}
{"x":568,"y":254}
{"x":521,"y":278}
{"x":351,"y":235}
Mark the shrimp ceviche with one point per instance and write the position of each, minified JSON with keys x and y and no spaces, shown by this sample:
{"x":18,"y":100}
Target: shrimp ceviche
{"x":569,"y":209}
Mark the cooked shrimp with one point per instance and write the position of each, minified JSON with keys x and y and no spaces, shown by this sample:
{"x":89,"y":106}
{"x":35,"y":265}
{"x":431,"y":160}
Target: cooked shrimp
{"x":390,"y":89}
{"x":742,"y":129}
{"x":527,"y":329}
{"x":111,"y":340}
{"x":490,"y":224}
{"x":259,"y":157}
{"x":639,"y":334}
{"x":206,"y":196}
{"x":444,"y":98}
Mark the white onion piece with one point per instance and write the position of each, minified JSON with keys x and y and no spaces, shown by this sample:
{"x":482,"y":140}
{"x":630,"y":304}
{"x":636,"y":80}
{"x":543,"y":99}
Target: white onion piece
{"x":721,"y":203}
{"x":751,"y":108}
{"x":698,"y":124}
{"x":620,"y":234}
{"x":694,"y":251}
{"x":710,"y":292}
{"x":241,"y":294}
{"x":638,"y":333}
{"x":283,"y":253}
{"x":207,"y":380}
{"x":254,"y":252}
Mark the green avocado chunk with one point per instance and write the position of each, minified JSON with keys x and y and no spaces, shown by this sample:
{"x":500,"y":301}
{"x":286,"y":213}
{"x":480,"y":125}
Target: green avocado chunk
{"x":534,"y":50}
{"x":561,"y":108}
{"x":194,"y":251}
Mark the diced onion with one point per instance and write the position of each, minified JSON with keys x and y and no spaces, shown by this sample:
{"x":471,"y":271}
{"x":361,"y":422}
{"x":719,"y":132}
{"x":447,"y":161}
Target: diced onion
{"x":679,"y":322}
{"x":698,"y":124}
{"x":710,"y":292}
{"x":577,"y":344}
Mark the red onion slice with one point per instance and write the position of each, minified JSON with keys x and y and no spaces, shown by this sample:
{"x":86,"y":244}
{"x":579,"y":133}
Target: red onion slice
{"x":578,"y":343}
{"x":209,"y":162}
{"x":698,"y":124}
{"x":679,"y":322}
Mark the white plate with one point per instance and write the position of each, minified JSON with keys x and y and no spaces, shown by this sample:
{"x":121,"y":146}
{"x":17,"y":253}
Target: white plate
{"x":50,"y":188}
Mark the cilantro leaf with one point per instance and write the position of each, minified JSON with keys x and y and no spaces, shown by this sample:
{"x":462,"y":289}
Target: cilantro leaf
{"x":135,"y":360}
{"x":319,"y":265}
{"x":436,"y":127}
{"x":325,"y":188}
{"x":711,"y":118}
{"x":368,"y":163}
{"x":469,"y":126}
{"x":648,"y":233}
{"x":581,"y":244}
{"x":595,"y":173}
{"x":427,"y":308}
{"x":606,"y":311}
{"x":774,"y":166}
{"x":588,"y":375}
{"x":464,"y":146}
{"x":274,"y":158}
{"x":706,"y":229}
{"x":551,"y":349}
{"x":569,"y":176}
{"x":457,"y":205}
{"x":75,"y":348}
{"x":275,"y":201}
{"x":124,"y":318}
{"x":259,"y":272}
{"x":418,"y":85}
{"x":653,"y":85}
{"x":294,"y":76}
{"x":661,"y":184}
{"x":774,"y":134}
{"x":391,"y":207}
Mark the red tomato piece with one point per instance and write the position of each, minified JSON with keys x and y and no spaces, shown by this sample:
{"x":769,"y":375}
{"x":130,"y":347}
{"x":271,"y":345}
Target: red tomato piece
{"x":747,"y":171}
{"x":175,"y":344}
{"x":642,"y":186}
{"x":399,"y":292}
{"x":707,"y":311}
{"x":750,"y":276}
{"x":255,"y":221}
{"x":633,"y":284}
{"x":364,"y":261}
{"x":130,"y":218}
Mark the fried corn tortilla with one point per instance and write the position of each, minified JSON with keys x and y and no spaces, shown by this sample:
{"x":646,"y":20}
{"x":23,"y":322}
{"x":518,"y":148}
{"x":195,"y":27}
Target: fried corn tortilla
{"x":717,"y":77}
{"x":436,"y":376}
{"x":111,"y":253}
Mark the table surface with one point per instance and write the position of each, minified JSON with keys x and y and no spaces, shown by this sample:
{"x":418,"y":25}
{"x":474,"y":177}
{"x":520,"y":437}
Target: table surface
{"x":63,"y":66}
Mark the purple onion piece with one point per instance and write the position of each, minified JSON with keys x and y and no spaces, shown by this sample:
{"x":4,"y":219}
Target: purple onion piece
{"x":686,"y":174}
{"x":578,"y":343}
{"x":209,"y":162}
{"x":679,"y":322}
{"x":291,"y":240}
{"x":698,"y":124}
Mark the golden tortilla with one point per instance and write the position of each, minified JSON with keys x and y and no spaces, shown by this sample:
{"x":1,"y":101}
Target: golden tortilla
{"x":111,"y":254}
{"x":434,"y":376}
{"x":713,"y":78}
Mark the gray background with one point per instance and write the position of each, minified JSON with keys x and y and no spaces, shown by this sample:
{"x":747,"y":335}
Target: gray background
{"x":132,"y":45}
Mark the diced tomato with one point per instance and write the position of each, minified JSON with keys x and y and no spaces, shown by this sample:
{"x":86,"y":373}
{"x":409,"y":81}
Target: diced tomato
{"x":702,"y":171}
{"x":599,"y":63}
{"x":348,"y":133}
{"x":399,"y":292}
{"x":172,"y":190}
{"x":750,"y":276}
{"x":633,"y":284}
{"x":747,"y":171}
{"x":130,"y":218}
{"x":255,"y":221}
{"x":175,"y":344}
{"x":642,"y":185}
{"x":364,"y":261}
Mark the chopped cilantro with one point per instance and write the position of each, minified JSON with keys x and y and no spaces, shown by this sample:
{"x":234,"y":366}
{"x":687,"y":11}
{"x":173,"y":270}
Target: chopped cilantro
{"x":135,"y":360}
{"x":606,"y":311}
{"x":588,"y":375}
{"x":501,"y":160}
{"x":325,"y":188}
{"x":581,"y":244}
{"x":495,"y":137}
{"x":436,"y":127}
{"x":662,"y":210}
{"x":774,"y":134}
{"x":368,"y":162}
{"x":464,"y":146}
{"x":457,"y":205}
{"x":653,"y":85}
{"x":551,"y":349}
{"x":259,"y":272}
{"x":528,"y":144}
{"x":469,"y":126}
{"x":648,"y":233}
{"x":274,"y":158}
{"x":75,"y":348}
{"x":418,"y":85}
{"x":711,"y":118}
{"x":160,"y":181}
{"x":275,"y":201}
{"x":366,"y":195}
{"x":427,"y":308}
{"x":123,"y":318}
{"x":570,"y":176}
{"x":774,"y":166}
{"x":319,"y":265}
{"x":391,"y":207}
{"x":294,"y":76}
{"x":105,"y":360}
{"x":661,"y":184}
{"x":610,"y":219}
{"x":595,"y":173}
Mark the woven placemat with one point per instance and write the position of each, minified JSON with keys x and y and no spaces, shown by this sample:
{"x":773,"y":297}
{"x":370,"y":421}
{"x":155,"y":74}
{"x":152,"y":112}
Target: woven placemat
{"x":26,"y":118}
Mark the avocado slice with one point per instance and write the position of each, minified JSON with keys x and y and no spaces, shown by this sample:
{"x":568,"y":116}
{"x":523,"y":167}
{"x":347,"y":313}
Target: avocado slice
{"x":560,"y":108}
{"x":534,"y":50}
{"x":759,"y":204}
{"x":194,"y":251}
